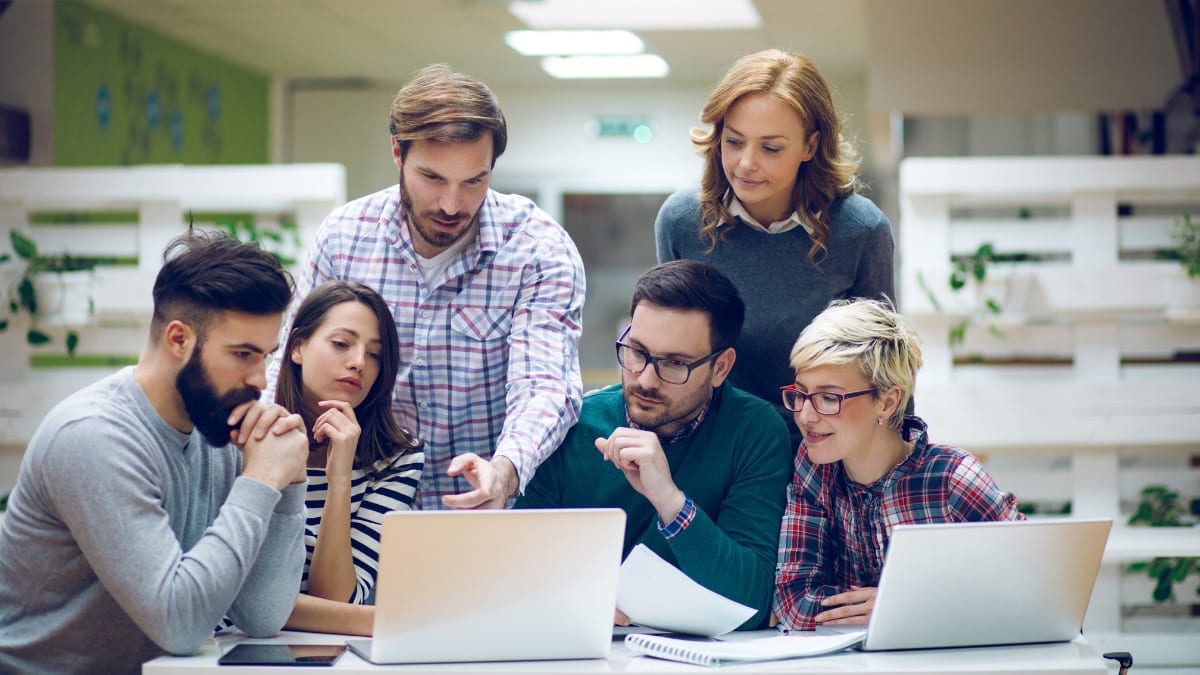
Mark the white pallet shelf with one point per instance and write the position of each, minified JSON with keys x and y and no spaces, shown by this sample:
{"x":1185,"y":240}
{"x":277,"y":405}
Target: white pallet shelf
{"x":162,"y":196}
{"x":1084,"y":381}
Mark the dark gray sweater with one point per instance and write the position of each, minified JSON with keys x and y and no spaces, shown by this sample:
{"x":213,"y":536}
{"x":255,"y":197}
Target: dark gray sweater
{"x":126,"y":538}
{"x":781,"y":289}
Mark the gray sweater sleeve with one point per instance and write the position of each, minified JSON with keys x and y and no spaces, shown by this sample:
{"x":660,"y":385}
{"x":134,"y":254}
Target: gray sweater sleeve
{"x":113,"y":490}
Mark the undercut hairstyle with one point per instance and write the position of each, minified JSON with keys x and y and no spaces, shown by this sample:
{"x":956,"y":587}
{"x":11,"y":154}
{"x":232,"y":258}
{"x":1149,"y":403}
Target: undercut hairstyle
{"x":872,"y":336}
{"x":205,"y":273}
{"x":382,"y":437}
{"x":830,"y":175}
{"x":442,"y":106}
{"x":693,"y":285}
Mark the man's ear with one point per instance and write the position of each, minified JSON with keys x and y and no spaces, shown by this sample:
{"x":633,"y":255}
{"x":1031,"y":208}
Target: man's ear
{"x":179,"y":339}
{"x":722,"y":365}
{"x":396,"y":158}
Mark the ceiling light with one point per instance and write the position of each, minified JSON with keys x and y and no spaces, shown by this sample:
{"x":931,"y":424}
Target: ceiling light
{"x":567,"y":42}
{"x":594,"y":67}
{"x":638,"y":14}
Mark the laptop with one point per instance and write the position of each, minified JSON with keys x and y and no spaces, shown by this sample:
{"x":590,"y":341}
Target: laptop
{"x":980,"y":584}
{"x":511,"y":585}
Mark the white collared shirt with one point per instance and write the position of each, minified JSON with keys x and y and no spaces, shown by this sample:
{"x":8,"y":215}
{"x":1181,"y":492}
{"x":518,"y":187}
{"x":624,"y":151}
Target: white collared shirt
{"x":779,"y":227}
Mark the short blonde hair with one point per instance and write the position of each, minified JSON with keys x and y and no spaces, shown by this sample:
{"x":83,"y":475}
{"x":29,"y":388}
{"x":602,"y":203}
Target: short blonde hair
{"x":869,"y":334}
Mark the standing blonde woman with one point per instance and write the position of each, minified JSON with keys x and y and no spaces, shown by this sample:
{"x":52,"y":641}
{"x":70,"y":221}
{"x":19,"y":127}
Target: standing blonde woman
{"x":777,"y":212}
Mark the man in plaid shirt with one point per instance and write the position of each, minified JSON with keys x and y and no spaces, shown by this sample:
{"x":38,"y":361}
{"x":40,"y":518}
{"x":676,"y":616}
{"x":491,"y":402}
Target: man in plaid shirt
{"x":864,"y":467}
{"x":486,"y":289}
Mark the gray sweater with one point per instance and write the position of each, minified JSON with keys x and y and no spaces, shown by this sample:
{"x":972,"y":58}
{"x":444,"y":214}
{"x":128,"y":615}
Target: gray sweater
{"x":125,"y":538}
{"x":781,"y":289}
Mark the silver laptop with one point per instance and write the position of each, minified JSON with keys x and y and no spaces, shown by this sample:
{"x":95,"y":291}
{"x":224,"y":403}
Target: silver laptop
{"x":976,"y":584}
{"x":510,"y":585}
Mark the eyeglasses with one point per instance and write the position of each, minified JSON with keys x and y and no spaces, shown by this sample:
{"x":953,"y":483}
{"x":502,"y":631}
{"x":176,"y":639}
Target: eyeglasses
{"x":671,"y":371}
{"x":824,"y":402}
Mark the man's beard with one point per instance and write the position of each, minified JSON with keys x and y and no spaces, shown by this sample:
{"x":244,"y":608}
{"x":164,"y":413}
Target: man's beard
{"x":433,"y":237}
{"x":208,"y":410}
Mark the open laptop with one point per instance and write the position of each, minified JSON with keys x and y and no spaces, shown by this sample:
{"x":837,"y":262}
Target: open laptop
{"x":509,"y":585}
{"x":976,"y":584}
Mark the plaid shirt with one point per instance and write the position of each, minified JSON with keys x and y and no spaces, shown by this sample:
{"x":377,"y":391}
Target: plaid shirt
{"x":489,"y":356}
{"x":835,"y":532}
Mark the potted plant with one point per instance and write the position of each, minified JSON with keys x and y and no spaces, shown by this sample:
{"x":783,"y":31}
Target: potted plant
{"x":976,"y":297}
{"x":1159,"y":506}
{"x":52,"y":288}
{"x":1183,"y":294}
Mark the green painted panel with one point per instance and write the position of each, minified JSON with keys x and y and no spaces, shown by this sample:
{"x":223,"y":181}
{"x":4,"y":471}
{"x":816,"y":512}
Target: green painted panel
{"x":82,"y":361}
{"x":124,"y":94}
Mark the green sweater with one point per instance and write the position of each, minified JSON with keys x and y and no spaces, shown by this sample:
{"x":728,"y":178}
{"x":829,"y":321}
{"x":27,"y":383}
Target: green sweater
{"x":735,"y":467}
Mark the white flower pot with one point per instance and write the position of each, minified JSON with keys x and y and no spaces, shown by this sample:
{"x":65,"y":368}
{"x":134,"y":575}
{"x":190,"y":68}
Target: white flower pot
{"x":1181,"y":293}
{"x":64,"y":297}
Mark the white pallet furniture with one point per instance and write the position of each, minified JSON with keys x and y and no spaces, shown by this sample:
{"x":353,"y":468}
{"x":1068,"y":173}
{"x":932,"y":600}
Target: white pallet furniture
{"x":162,"y":196}
{"x":1080,"y":399}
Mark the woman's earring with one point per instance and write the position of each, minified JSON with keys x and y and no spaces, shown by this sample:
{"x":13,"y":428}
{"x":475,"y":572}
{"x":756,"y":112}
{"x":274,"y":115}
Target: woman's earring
{"x":878,"y":421}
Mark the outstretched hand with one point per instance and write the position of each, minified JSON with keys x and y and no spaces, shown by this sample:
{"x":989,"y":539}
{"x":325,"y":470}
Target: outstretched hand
{"x":494,"y":482}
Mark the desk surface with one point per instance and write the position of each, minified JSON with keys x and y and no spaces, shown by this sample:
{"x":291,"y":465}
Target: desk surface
{"x":1076,"y":657}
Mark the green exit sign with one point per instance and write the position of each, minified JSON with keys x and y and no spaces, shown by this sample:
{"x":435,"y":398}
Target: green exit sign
{"x":622,"y":126}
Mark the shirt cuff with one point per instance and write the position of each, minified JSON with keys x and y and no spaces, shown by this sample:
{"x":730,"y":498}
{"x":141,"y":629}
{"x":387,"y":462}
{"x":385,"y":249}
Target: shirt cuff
{"x":681,"y":520}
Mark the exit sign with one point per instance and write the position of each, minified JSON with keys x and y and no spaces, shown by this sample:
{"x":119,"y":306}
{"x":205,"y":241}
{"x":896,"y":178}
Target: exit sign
{"x":621,"y":126}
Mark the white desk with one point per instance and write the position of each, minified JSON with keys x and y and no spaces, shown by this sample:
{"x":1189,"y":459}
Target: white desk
{"x":1076,"y":658}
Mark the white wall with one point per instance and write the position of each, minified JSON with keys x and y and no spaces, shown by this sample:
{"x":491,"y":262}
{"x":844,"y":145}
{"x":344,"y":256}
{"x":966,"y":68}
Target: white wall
{"x":27,"y":71}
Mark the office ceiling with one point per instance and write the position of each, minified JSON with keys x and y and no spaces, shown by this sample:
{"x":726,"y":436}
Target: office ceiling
{"x":384,"y":41}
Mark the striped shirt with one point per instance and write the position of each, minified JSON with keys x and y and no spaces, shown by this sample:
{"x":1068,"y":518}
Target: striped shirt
{"x":489,"y":358}
{"x":370,"y":499}
{"x":835,"y":532}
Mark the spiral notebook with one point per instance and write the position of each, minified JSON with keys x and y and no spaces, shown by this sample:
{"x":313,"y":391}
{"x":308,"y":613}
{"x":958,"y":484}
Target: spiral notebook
{"x":719,"y":652}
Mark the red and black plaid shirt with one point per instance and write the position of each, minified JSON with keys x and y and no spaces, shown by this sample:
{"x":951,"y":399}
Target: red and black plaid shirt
{"x":835,"y":532}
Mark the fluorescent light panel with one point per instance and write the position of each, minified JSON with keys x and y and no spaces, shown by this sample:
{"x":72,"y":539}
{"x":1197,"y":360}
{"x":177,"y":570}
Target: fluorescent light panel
{"x":614,"y":67}
{"x":638,"y":14}
{"x":570,"y":42}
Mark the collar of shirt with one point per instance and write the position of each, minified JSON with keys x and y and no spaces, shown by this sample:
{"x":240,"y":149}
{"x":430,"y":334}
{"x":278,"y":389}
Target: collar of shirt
{"x":687,"y":430}
{"x":482,"y":247}
{"x":737,"y":210}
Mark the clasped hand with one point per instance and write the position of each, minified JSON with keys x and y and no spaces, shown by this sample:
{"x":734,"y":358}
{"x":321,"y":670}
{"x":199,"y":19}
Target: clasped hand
{"x":273,"y":441}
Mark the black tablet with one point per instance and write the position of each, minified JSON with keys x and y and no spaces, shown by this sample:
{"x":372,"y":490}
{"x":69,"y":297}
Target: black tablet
{"x":265,"y":654}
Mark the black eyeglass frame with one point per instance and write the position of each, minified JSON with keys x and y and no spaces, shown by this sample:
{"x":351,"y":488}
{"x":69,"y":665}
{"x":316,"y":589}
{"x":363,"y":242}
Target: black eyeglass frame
{"x":654,"y":360}
{"x":805,"y":396}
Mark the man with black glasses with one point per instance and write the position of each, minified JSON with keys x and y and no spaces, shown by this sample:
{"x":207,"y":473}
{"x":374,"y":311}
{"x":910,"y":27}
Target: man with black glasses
{"x":699,"y":467}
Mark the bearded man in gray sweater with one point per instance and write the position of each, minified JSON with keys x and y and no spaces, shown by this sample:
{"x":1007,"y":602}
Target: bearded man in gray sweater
{"x":164,"y":496}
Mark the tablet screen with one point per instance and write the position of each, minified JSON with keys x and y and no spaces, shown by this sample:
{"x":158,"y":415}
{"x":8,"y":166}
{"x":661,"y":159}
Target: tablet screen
{"x":277,"y":655}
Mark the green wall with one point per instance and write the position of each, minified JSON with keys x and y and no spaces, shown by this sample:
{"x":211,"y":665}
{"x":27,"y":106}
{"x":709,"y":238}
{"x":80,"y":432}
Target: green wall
{"x":124,"y":94}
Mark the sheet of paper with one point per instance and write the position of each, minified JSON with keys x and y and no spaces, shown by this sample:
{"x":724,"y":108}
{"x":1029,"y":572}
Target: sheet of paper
{"x":652,"y":592}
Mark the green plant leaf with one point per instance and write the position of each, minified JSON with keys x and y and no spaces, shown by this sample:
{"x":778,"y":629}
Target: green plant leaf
{"x":3,"y":325}
{"x":36,"y":337}
{"x":1163,"y":588}
{"x":928,"y":292}
{"x":958,"y":333}
{"x":72,"y":342}
{"x":24,"y":247}
{"x":992,"y":306}
{"x":958,"y":279}
{"x":26,"y":296}
{"x":1137,"y":567}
